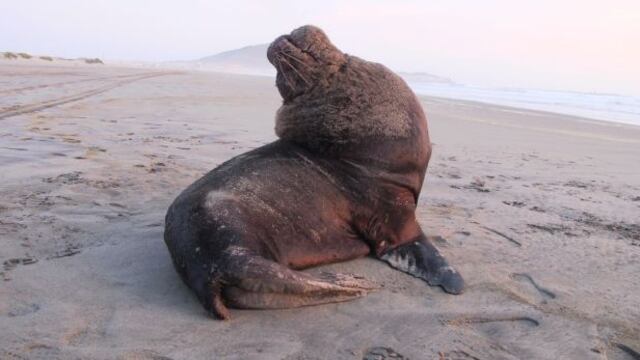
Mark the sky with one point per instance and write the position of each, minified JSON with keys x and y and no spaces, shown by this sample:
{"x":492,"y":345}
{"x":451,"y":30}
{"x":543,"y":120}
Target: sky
{"x":589,"y":46}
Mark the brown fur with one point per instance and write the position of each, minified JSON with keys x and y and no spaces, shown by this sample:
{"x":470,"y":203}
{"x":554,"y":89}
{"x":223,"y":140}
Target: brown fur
{"x":342,"y":182}
{"x":345,"y":100}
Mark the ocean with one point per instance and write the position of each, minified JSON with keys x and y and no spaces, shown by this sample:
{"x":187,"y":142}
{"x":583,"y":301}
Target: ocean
{"x":606,"y":107}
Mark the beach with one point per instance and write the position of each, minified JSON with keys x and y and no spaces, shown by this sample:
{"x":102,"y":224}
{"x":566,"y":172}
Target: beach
{"x":538,"y":212}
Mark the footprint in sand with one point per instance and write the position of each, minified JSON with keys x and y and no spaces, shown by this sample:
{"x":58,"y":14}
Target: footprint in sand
{"x":622,"y":352}
{"x":22,"y":309}
{"x":71,"y":140}
{"x":517,"y":204}
{"x":12,"y":263}
{"x":73,"y":177}
{"x":456,"y":355}
{"x":544,"y":293}
{"x":41,"y":351}
{"x":382,"y":353}
{"x":504,"y":329}
{"x":142,"y":355}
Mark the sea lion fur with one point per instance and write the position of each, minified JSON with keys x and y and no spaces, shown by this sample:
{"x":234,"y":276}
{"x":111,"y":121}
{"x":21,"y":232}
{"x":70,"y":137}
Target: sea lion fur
{"x":342,"y":182}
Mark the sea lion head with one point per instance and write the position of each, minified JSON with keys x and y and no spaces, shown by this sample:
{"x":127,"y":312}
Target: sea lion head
{"x":302,"y":59}
{"x":331,"y":98}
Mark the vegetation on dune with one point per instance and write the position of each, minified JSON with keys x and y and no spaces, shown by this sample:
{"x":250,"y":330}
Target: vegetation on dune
{"x":93,"y":61}
{"x":12,"y":56}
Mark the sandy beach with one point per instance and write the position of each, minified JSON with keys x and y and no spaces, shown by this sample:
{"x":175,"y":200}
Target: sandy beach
{"x":538,"y":211}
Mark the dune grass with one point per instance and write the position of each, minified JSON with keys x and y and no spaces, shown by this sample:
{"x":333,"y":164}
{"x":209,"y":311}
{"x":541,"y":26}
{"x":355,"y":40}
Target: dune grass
{"x":12,"y":56}
{"x":93,"y":61}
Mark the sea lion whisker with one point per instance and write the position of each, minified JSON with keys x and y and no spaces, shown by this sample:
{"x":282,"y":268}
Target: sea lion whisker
{"x":291,"y":56}
{"x":296,"y":71}
{"x":281,"y":70}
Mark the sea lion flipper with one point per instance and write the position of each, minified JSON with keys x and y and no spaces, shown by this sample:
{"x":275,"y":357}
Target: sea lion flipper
{"x":349,"y":280}
{"x":208,"y":288}
{"x":268,"y":285}
{"x":422,"y":259}
{"x":218,"y":308}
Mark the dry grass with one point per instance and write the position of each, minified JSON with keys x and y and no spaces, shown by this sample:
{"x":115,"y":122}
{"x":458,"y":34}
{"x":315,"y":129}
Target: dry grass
{"x":12,"y":56}
{"x":93,"y":61}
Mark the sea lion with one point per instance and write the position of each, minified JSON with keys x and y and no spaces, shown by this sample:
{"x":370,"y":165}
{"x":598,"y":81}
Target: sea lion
{"x":341,"y":182}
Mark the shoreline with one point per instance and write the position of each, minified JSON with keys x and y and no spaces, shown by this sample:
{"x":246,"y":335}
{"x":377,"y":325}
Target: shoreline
{"x":164,"y":67}
{"x":570,"y":117}
{"x":614,"y":108}
{"x":539,"y":116}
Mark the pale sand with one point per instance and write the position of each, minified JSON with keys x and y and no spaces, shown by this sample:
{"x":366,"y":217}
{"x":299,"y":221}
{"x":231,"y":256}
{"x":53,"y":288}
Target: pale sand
{"x":539,"y":212}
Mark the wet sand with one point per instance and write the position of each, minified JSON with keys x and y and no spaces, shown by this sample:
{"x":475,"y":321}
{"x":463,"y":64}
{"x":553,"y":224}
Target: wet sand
{"x":538,"y":211}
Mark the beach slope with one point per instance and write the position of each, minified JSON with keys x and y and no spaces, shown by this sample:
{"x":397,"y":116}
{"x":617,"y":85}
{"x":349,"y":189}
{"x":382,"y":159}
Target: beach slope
{"x":538,"y":211}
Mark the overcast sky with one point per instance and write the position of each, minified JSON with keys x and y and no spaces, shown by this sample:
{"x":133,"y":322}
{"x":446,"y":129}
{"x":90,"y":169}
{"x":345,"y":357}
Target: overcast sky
{"x":582,"y":45}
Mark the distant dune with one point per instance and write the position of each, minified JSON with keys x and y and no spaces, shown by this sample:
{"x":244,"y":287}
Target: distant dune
{"x":249,"y":59}
{"x":252,"y":60}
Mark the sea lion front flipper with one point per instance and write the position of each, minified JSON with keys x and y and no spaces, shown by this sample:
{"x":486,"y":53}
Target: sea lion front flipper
{"x":263,"y":284}
{"x":348,"y":280}
{"x":421,"y":259}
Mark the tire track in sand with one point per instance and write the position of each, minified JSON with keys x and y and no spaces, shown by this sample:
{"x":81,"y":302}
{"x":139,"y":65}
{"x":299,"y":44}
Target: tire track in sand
{"x":25,"y":109}
{"x":64,"y":83}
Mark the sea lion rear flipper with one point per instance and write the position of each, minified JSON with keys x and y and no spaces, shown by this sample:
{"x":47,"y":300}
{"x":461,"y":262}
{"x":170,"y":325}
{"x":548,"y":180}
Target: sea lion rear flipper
{"x":206,"y":284}
{"x":264,"y":284}
{"x":421,"y":259}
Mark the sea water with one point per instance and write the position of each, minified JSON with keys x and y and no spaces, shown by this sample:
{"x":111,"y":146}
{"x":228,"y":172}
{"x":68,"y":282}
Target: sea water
{"x":607,"y":107}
